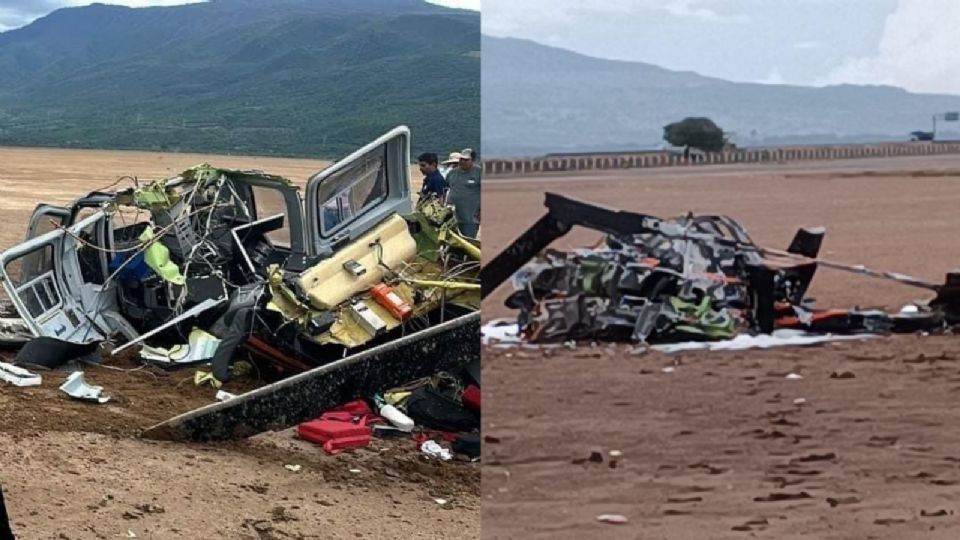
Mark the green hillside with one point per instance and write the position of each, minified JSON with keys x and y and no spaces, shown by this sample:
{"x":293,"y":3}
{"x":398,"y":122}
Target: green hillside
{"x":274,"y":77}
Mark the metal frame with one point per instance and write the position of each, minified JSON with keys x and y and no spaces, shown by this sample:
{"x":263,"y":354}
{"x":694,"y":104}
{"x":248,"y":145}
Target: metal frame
{"x":396,"y":144}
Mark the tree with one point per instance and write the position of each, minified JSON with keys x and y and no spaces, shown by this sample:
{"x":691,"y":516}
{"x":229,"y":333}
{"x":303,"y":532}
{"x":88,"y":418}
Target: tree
{"x":700,"y":133}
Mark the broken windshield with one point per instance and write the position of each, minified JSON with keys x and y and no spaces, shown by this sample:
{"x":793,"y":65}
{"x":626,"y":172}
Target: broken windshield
{"x":352,"y":192}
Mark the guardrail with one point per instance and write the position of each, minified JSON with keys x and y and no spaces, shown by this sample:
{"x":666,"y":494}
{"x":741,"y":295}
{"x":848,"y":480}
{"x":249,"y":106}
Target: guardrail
{"x":641,"y":160}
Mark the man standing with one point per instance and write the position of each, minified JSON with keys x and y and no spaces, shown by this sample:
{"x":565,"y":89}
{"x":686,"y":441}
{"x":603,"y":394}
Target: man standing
{"x":450,"y":164}
{"x":433,"y":182}
{"x":464,"y":182}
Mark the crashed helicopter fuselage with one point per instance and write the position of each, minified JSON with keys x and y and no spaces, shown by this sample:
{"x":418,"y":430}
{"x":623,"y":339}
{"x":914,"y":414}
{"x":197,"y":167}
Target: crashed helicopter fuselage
{"x":243,"y":260}
{"x":694,"y":277}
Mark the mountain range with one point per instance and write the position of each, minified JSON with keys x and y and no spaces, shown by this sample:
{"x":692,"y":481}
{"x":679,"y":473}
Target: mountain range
{"x":271,"y":77}
{"x":538,"y":99}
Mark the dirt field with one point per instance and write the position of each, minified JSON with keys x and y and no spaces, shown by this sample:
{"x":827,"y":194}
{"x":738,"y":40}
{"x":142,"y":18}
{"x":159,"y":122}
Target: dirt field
{"x":77,"y":471}
{"x":718,"y":448}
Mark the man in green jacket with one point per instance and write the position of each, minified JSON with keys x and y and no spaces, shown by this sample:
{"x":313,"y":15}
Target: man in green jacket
{"x":464,"y":194}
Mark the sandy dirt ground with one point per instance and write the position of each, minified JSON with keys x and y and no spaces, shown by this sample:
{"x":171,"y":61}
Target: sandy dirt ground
{"x":77,"y":471}
{"x":721,"y":447}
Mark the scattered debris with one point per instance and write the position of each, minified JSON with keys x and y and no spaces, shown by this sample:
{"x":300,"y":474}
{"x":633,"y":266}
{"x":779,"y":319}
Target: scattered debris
{"x":14,"y":331}
{"x":433,"y":450}
{"x":751,"y":524}
{"x":784,"y":337}
{"x":836,"y":501}
{"x":344,"y":428}
{"x":77,"y":388}
{"x":293,"y":468}
{"x":777,"y":497}
{"x":690,"y":282}
{"x":793,"y":376}
{"x":614,"y":519}
{"x":18,"y":376}
{"x":889,"y":521}
{"x":216,"y":266}
{"x":828,"y":456}
{"x":396,"y":417}
{"x":201,"y":347}
{"x":500,"y":331}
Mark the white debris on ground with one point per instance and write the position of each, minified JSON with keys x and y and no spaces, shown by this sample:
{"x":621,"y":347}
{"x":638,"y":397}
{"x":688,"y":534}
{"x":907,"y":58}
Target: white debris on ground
{"x":504,"y":333}
{"x":500,"y":331}
{"x":779,"y":338}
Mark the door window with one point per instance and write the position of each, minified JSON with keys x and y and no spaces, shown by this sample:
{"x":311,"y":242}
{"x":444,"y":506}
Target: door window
{"x":34,"y":281}
{"x":352,"y":192}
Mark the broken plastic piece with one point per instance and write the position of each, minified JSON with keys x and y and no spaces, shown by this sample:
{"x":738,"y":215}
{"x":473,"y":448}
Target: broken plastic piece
{"x":432,"y":449}
{"x":77,"y":388}
{"x":18,"y":376}
{"x":223,"y":396}
{"x":14,"y":331}
{"x":192,"y":312}
{"x":202,"y":376}
{"x":157,"y":257}
{"x":614,"y":519}
{"x":201,"y":346}
{"x":152,"y":195}
{"x":500,"y":330}
{"x":394,"y":398}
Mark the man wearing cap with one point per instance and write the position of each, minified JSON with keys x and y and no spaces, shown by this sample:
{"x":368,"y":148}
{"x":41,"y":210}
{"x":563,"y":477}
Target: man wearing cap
{"x":433,"y":182}
{"x":464,"y":194}
{"x":451,"y":163}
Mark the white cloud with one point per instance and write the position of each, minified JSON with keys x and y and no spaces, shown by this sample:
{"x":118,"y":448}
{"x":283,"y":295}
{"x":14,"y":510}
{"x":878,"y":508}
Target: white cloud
{"x":804,"y":45}
{"x":917,"y":51}
{"x":513,"y":17}
{"x":462,"y":4}
{"x":694,"y":9}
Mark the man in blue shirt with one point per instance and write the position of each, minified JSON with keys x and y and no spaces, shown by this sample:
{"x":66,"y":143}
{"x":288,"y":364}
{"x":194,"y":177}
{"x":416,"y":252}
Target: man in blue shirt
{"x":433,"y":182}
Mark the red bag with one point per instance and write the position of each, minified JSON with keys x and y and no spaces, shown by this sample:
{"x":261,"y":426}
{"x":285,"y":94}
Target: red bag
{"x":335,"y":435}
{"x":336,"y":431}
{"x":357,"y":407}
{"x":471,"y":398}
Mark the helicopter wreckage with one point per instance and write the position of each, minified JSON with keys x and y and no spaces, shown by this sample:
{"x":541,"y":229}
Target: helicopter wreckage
{"x":338,"y":292}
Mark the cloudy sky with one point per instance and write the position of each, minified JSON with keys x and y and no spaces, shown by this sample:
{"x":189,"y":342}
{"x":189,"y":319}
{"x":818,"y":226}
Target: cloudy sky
{"x":908,"y":43}
{"x":16,"y":13}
